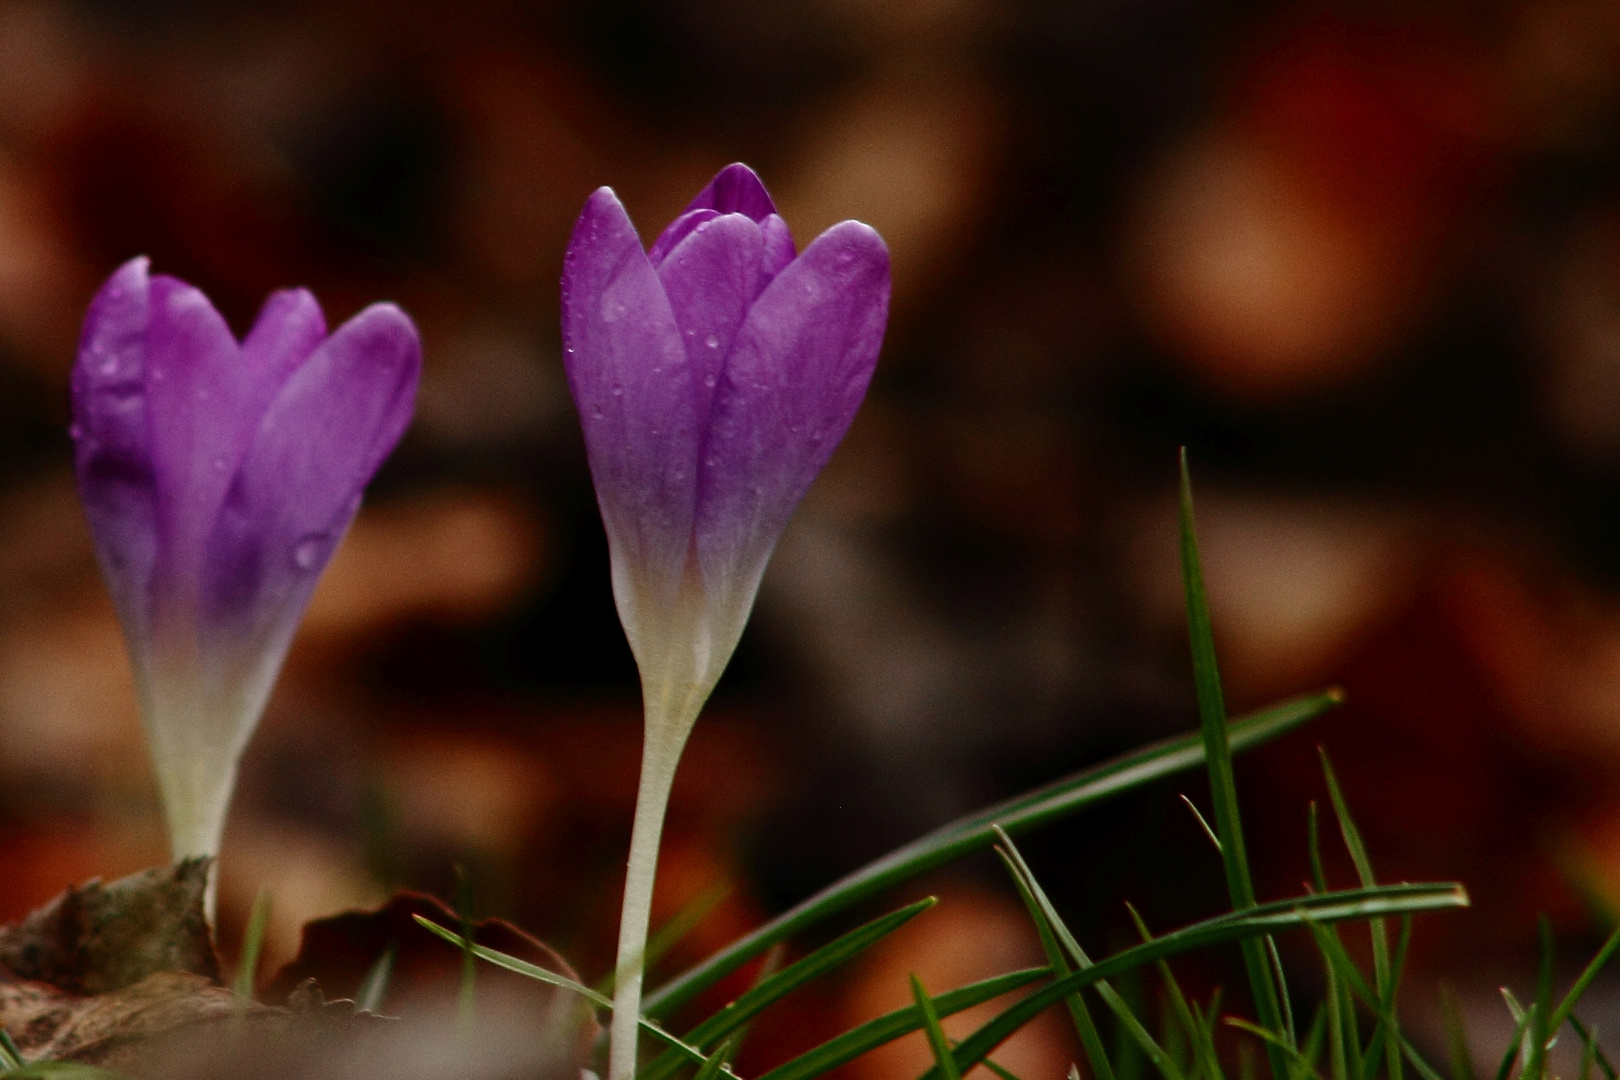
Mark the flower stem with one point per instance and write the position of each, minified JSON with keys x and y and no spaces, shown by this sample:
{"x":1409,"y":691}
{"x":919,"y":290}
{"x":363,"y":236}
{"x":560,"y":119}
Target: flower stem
{"x":658,"y":761}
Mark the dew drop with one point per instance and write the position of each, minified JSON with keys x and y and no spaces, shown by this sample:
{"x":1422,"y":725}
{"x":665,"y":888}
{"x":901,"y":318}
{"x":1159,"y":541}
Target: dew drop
{"x":307,"y":552}
{"x":709,"y":381}
{"x":109,"y":366}
{"x":712,"y":341}
{"x":618,"y":391}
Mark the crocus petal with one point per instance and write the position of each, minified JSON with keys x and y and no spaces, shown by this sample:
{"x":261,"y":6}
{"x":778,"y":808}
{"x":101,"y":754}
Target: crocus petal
{"x":198,"y":409}
{"x":711,"y":278}
{"x":779,"y":248}
{"x":735,"y":189}
{"x":678,"y":230}
{"x":632,"y":384}
{"x":289,"y":328}
{"x":796,"y":374}
{"x":325,"y":433}
{"x":112,"y":458}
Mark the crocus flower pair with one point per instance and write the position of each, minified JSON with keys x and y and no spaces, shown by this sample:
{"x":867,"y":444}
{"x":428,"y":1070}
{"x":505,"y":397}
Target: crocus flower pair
{"x":218,"y":478}
{"x":714,"y":374}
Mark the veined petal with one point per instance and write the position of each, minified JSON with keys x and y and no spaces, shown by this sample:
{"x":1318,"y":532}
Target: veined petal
{"x":779,"y":248}
{"x":112,"y":453}
{"x":711,"y":278}
{"x":328,"y":428}
{"x":289,"y":328}
{"x":676,"y":231}
{"x":796,"y":374}
{"x":632,"y":385}
{"x":735,"y":189}
{"x":201,"y":412}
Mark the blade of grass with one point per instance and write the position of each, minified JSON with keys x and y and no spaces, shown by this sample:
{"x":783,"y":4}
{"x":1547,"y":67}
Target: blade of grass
{"x":1300,"y":911}
{"x":374,"y":987}
{"x":540,"y":974}
{"x":1590,"y":1038}
{"x":999,"y":1070}
{"x":1046,"y":914}
{"x":1462,"y":1062}
{"x":1281,"y":982}
{"x":467,"y":995}
{"x":890,"y":1026}
{"x":1179,"y":1009}
{"x":973,"y":833}
{"x":1300,"y":1066}
{"x":1218,"y":762}
{"x":10,"y":1056}
{"x":717,"y":1061}
{"x":1567,"y":1006}
{"x":1380,"y":933}
{"x":247,"y":966}
{"x":1334,"y":948}
{"x":749,"y":1004}
{"x":936,"y":1035}
{"x":1079,"y":1014}
{"x":670,"y":934}
{"x":1588,"y":1057}
{"x":1516,"y":1049}
{"x":1535,"y":1059}
{"x":62,"y":1070}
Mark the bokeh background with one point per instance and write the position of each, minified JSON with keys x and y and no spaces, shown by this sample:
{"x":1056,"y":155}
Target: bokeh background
{"x":1362,"y":259}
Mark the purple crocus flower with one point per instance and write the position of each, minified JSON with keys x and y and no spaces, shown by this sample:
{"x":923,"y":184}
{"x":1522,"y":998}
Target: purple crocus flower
{"x":714,"y":374}
{"x":218,"y":478}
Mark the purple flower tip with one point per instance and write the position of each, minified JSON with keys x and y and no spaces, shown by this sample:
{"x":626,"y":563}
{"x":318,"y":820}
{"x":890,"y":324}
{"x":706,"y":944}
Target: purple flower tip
{"x":218,"y":477}
{"x":714,"y":375}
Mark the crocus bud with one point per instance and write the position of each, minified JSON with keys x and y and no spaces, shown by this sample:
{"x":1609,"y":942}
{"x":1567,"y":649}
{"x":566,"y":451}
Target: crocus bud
{"x":714,"y":375}
{"x":218,"y":478}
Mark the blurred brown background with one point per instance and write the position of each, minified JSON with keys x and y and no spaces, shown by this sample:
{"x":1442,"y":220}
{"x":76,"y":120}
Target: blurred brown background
{"x":1363,"y":259}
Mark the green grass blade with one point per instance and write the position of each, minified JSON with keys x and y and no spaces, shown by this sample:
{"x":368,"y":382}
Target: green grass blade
{"x":1536,"y":1057}
{"x":10,"y":1056}
{"x":1218,"y":762}
{"x":1364,"y":871}
{"x":1386,"y":1032}
{"x":973,"y":833}
{"x":1084,"y":1026}
{"x":1299,"y":1064}
{"x":1516,"y":1047}
{"x":999,"y":1070}
{"x":1185,"y":1022}
{"x":752,"y":1002}
{"x":669,"y":935}
{"x":890,"y":1026}
{"x":1130,"y":1026}
{"x":1461,"y":1061}
{"x":62,"y":1070}
{"x":1589,"y":1037}
{"x":936,"y":1034}
{"x":1313,"y":844}
{"x":1303,"y":911}
{"x":467,"y":995}
{"x":716,"y":1064}
{"x":1567,"y":1006}
{"x":1588,"y":1057}
{"x":374,"y":987}
{"x":247,"y":966}
{"x":1280,"y":981}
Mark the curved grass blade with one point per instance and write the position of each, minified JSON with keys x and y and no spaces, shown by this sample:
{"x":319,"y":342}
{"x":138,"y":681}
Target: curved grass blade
{"x":1567,"y":1006}
{"x":61,"y":1070}
{"x":936,"y":1034}
{"x":1055,"y":932}
{"x":1589,"y":1037}
{"x":973,"y":833}
{"x":1340,"y":961}
{"x":1302,"y":1066}
{"x":374,"y":987}
{"x":1301,"y":911}
{"x":890,"y":1026}
{"x":1222,"y":783}
{"x":784,"y":982}
{"x":540,"y":974}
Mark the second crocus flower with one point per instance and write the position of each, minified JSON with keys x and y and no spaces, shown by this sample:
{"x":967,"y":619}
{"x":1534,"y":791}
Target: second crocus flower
{"x":714,"y":375}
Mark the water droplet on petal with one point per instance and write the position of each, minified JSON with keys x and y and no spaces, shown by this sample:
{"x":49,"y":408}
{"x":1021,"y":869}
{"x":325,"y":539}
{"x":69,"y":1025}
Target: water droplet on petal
{"x":709,"y":381}
{"x":712,"y":341}
{"x":308,"y":552}
{"x":109,"y":366}
{"x":618,"y":391}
